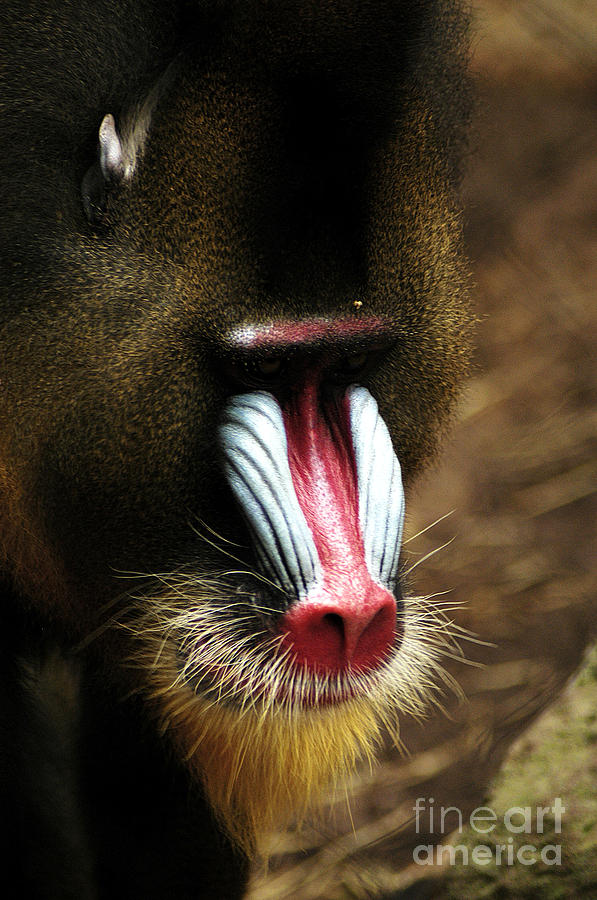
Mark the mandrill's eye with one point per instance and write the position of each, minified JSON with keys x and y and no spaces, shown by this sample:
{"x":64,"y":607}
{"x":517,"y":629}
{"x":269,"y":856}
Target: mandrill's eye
{"x":359,"y":364}
{"x":356,"y":362}
{"x":259,"y":372}
{"x":270,"y":367}
{"x":348,"y":366}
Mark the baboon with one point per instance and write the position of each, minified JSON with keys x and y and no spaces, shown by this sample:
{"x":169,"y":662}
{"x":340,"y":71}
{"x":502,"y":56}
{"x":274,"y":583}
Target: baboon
{"x":234,"y":324}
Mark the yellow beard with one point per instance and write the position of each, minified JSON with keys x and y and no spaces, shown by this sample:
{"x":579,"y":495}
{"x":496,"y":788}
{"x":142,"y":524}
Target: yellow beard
{"x":266,"y":739}
{"x":260,"y":770}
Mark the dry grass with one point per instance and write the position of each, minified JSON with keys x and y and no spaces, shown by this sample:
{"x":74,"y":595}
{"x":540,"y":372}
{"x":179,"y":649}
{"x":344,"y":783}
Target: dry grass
{"x":521,"y":475}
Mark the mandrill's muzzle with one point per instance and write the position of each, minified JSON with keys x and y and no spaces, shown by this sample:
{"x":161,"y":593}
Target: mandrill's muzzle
{"x":320,"y":487}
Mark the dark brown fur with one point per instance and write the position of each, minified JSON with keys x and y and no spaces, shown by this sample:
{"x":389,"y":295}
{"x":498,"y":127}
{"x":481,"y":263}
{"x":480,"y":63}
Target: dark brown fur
{"x":301,"y":157}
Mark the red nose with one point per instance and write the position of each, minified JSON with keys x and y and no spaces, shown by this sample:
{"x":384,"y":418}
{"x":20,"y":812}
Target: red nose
{"x":328,"y":633}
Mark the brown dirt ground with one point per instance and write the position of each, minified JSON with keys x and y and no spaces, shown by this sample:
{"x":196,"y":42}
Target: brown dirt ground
{"x":520,"y":477}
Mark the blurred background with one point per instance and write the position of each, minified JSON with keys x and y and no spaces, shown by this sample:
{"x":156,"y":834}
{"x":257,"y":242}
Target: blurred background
{"x":519,"y":483}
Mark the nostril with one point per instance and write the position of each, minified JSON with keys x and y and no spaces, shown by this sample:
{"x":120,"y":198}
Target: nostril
{"x":376,"y":636}
{"x":335,"y":622}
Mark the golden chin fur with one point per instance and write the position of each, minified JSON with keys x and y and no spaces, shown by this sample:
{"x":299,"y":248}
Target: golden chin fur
{"x":266,"y":738}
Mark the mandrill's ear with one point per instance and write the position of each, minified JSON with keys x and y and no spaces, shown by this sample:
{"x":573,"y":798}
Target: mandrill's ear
{"x":117,"y":158}
{"x":110,"y":168}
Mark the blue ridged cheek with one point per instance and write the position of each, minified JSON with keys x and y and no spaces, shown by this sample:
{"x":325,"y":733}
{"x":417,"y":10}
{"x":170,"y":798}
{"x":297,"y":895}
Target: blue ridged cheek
{"x":253,"y":442}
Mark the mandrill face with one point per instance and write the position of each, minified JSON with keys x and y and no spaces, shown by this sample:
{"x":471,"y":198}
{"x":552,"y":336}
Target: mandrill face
{"x":245,"y":335}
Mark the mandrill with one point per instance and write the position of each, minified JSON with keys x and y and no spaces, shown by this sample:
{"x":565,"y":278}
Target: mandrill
{"x":233,"y":323}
